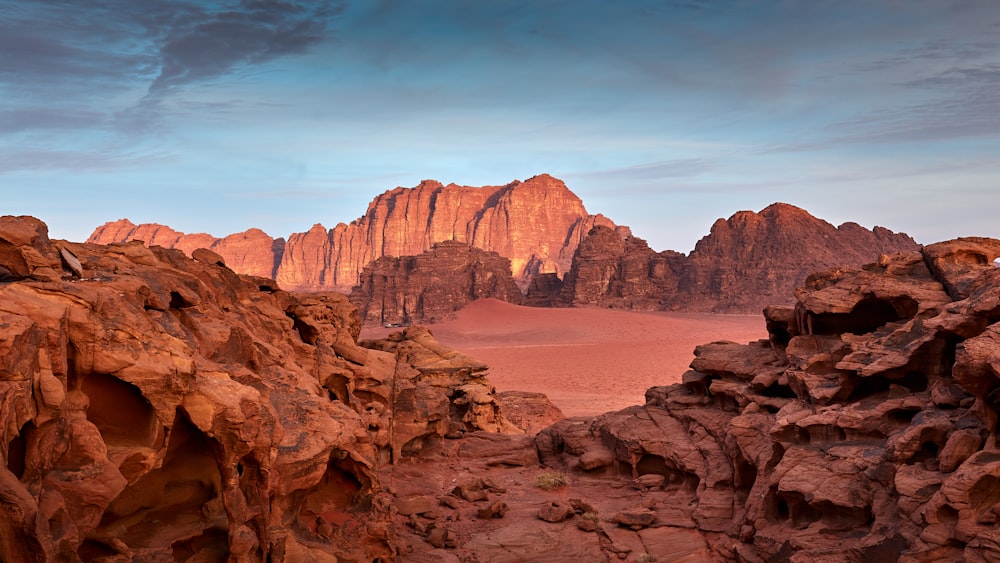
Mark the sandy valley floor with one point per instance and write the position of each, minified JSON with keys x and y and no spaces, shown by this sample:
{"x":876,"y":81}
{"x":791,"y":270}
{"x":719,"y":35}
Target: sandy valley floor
{"x":587,"y":360}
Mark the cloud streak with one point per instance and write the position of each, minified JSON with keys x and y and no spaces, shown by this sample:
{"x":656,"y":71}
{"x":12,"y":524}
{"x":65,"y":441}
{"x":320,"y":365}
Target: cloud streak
{"x":135,"y":54}
{"x":197,"y":44}
{"x":645,"y":104}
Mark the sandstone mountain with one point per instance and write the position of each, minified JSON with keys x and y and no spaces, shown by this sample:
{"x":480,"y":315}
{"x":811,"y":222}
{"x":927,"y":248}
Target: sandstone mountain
{"x":558,"y":254}
{"x":745,"y":263}
{"x":431,"y":285}
{"x":155,"y":407}
{"x":760,"y":258}
{"x":537,"y":224}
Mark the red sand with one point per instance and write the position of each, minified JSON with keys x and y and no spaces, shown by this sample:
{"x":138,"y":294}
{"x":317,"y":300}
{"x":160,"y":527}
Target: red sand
{"x":587,"y":360}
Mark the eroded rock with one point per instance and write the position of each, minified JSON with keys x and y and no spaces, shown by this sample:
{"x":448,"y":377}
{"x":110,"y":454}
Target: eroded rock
{"x":863,"y":428}
{"x":156,"y":407}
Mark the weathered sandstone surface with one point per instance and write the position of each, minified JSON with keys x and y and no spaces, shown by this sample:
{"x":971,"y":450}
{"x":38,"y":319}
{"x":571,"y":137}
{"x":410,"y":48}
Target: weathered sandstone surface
{"x":536,"y":223}
{"x":432,"y":285}
{"x":155,"y":407}
{"x":863,"y":429}
{"x":745,"y":263}
{"x":612,"y":268}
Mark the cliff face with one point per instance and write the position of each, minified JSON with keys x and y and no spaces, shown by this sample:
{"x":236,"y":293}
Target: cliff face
{"x":155,"y":407}
{"x":432,"y":285}
{"x":746,"y":262}
{"x":537,"y":224}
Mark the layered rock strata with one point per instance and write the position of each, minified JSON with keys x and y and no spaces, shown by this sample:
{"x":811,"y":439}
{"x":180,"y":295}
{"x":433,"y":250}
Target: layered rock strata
{"x":864,"y":428}
{"x":432,"y":285}
{"x":156,"y":407}
{"x":537,"y":224}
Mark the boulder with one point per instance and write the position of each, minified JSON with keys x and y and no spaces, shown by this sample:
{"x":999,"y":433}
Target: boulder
{"x":555,"y":511}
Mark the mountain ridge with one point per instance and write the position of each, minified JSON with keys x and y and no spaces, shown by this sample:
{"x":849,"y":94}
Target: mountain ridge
{"x":559,"y":254}
{"x":536,"y":223}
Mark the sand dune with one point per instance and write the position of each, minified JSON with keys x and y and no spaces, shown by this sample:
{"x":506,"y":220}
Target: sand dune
{"x":587,"y":360}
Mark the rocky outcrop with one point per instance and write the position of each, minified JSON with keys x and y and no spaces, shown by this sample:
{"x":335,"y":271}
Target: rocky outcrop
{"x":864,"y":428}
{"x":756,"y":259}
{"x":612,"y":268}
{"x":432,"y":285}
{"x":537,"y":224}
{"x":251,"y":252}
{"x":155,"y":407}
{"x":437,"y":392}
{"x":747,"y":262}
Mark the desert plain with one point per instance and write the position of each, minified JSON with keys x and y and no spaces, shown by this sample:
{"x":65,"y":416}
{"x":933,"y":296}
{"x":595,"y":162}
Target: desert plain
{"x":586,"y":360}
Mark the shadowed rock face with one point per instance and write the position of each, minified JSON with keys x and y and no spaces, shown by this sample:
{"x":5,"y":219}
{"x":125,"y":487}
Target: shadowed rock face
{"x":155,"y":407}
{"x":612,"y":268}
{"x":432,"y":285}
{"x":747,"y":262}
{"x":536,"y":224}
{"x":864,"y":428}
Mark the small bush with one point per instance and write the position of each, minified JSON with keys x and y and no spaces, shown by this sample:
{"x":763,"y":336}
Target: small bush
{"x":548,"y":480}
{"x":646,"y":558}
{"x":592,"y":516}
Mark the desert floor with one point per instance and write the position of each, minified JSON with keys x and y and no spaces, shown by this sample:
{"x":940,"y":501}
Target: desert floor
{"x":587,"y":360}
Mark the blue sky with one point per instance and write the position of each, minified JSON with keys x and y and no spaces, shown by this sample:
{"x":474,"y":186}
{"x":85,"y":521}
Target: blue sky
{"x":664,"y":116}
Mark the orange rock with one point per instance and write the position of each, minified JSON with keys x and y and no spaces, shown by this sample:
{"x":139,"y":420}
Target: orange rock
{"x":537,"y":224}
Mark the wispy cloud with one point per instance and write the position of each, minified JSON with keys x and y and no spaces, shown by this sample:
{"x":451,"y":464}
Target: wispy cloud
{"x":31,"y":118}
{"x":196,"y":44}
{"x":77,"y":160}
{"x":75,"y":72}
{"x":651,"y":172}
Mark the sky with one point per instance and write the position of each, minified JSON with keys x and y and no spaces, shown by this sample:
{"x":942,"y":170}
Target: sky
{"x":663,"y":115}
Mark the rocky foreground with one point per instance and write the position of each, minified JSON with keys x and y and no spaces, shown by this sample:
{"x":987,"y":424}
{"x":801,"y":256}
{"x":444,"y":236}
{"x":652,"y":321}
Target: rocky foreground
{"x":863,"y":429}
{"x":160,"y":408}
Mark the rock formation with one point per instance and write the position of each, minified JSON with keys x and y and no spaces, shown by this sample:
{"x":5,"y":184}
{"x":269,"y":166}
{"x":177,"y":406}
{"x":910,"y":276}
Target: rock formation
{"x":251,"y":252}
{"x":863,"y":429}
{"x":559,"y":255}
{"x":612,"y":268}
{"x":755,"y":259}
{"x":537,"y":224}
{"x":747,"y":262}
{"x":431,"y":285}
{"x":156,"y":407}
